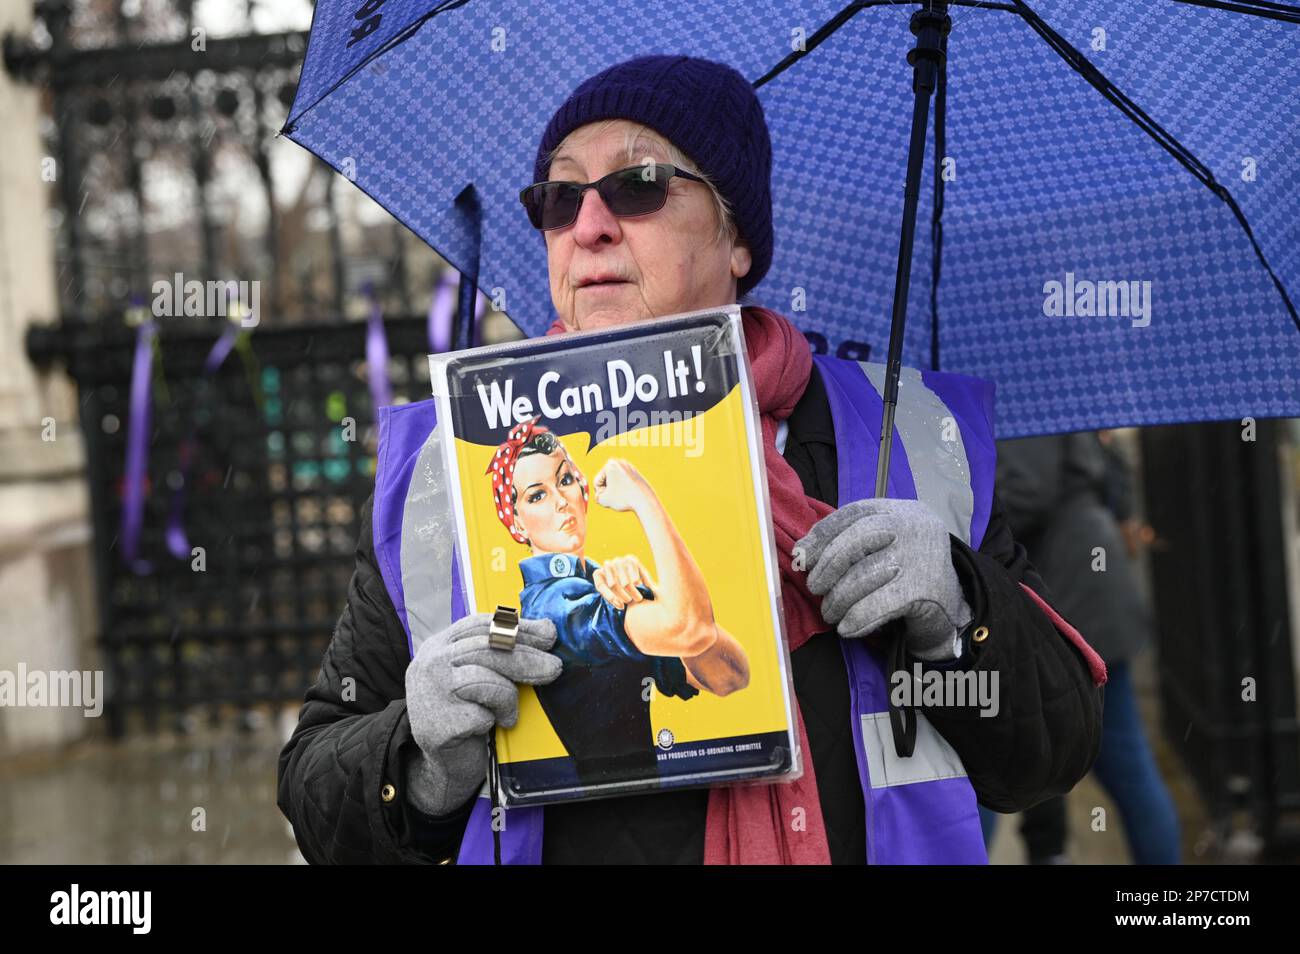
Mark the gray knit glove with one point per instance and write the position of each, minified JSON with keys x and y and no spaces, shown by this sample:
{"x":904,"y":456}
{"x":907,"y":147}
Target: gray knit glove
{"x":457,"y":688}
{"x":880,"y":559}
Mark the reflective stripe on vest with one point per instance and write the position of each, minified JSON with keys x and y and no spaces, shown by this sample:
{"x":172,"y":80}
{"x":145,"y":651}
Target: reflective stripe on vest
{"x":919,"y":810}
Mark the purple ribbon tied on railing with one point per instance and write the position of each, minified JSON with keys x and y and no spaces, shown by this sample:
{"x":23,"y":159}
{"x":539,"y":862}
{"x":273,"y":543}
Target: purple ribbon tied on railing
{"x":138,"y":434}
{"x":442,"y":311}
{"x":381,"y":392}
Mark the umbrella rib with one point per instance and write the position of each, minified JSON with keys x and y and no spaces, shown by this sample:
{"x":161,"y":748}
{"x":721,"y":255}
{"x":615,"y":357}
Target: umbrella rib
{"x":397,"y":39}
{"x":819,"y":36}
{"x":1284,"y":12}
{"x":1085,"y":68}
{"x":837,"y":21}
{"x":936,"y":212}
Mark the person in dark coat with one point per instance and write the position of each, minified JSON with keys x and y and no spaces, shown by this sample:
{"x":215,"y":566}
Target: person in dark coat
{"x":1069,"y":498}
{"x":389,"y":754}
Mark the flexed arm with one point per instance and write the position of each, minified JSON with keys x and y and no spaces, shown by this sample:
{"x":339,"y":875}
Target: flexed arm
{"x":721,"y":669}
{"x":679,"y":620}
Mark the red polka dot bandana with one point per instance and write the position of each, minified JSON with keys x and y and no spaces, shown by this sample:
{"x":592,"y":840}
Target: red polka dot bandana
{"x":502,"y":469}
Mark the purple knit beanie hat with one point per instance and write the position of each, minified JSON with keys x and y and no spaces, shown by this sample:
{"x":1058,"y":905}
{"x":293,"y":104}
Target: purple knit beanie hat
{"x":706,"y":109}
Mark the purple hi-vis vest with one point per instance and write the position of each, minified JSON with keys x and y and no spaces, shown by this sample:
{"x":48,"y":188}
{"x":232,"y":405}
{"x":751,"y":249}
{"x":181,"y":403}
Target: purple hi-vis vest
{"x":920,"y":809}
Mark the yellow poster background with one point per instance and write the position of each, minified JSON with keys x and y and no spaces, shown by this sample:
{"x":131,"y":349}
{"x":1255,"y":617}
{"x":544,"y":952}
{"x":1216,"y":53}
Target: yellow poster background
{"x":700,"y":470}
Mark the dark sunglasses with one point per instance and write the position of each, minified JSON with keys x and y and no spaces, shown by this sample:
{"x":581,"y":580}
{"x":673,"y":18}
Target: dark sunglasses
{"x":636,"y":190}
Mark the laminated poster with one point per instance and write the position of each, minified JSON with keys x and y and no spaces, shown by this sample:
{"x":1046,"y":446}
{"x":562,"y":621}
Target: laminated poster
{"x":612,"y":481}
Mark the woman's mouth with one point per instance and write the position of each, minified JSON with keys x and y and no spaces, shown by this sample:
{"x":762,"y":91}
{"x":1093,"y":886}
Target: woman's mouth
{"x":568,"y":525}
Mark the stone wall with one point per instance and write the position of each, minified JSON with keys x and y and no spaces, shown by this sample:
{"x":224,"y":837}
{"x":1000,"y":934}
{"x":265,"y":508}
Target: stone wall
{"x":47,"y":592}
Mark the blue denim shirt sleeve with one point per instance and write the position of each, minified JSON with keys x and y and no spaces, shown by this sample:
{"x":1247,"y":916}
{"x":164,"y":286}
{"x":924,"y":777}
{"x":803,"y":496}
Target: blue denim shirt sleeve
{"x":589,"y":630}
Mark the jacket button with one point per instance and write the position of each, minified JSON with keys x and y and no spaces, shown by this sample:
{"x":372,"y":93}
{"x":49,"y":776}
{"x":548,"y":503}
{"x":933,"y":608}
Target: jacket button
{"x":981,"y":633}
{"x":388,"y":792}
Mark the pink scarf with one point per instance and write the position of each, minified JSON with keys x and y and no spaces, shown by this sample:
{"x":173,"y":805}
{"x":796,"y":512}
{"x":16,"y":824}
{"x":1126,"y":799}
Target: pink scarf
{"x":778,"y":824}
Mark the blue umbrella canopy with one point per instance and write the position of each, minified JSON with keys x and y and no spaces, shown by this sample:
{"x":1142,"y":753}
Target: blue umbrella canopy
{"x":1118,"y":240}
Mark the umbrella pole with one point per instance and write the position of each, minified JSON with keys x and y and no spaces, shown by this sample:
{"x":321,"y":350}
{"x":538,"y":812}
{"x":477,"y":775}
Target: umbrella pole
{"x":930,"y":24}
{"x":462,"y":331}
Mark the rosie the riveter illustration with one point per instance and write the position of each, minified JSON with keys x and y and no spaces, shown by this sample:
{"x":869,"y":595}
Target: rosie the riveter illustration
{"x":616,"y":626}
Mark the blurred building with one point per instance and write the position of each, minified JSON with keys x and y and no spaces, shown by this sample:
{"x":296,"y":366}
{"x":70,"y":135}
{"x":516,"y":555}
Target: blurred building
{"x":46,"y":572}
{"x":144,"y":149}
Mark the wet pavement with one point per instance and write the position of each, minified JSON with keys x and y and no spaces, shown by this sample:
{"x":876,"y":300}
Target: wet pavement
{"x":1109,"y":847}
{"x":136,"y":802}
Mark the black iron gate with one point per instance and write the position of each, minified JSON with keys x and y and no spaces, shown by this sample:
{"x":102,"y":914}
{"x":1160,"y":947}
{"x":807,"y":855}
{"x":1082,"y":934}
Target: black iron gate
{"x":162,"y":161}
{"x":284,"y":458}
{"x":1220,"y":578}
{"x":163,"y":155}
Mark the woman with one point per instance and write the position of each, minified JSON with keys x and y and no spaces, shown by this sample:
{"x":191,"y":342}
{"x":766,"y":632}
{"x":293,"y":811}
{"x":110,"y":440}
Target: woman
{"x":616,"y":626}
{"x":652,"y":192}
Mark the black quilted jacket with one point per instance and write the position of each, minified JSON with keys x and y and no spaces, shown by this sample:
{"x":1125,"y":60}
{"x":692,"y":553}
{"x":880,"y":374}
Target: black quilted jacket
{"x":341,"y":773}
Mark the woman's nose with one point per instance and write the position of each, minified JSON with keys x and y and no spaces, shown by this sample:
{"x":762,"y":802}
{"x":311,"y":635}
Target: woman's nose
{"x":595,"y":222}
